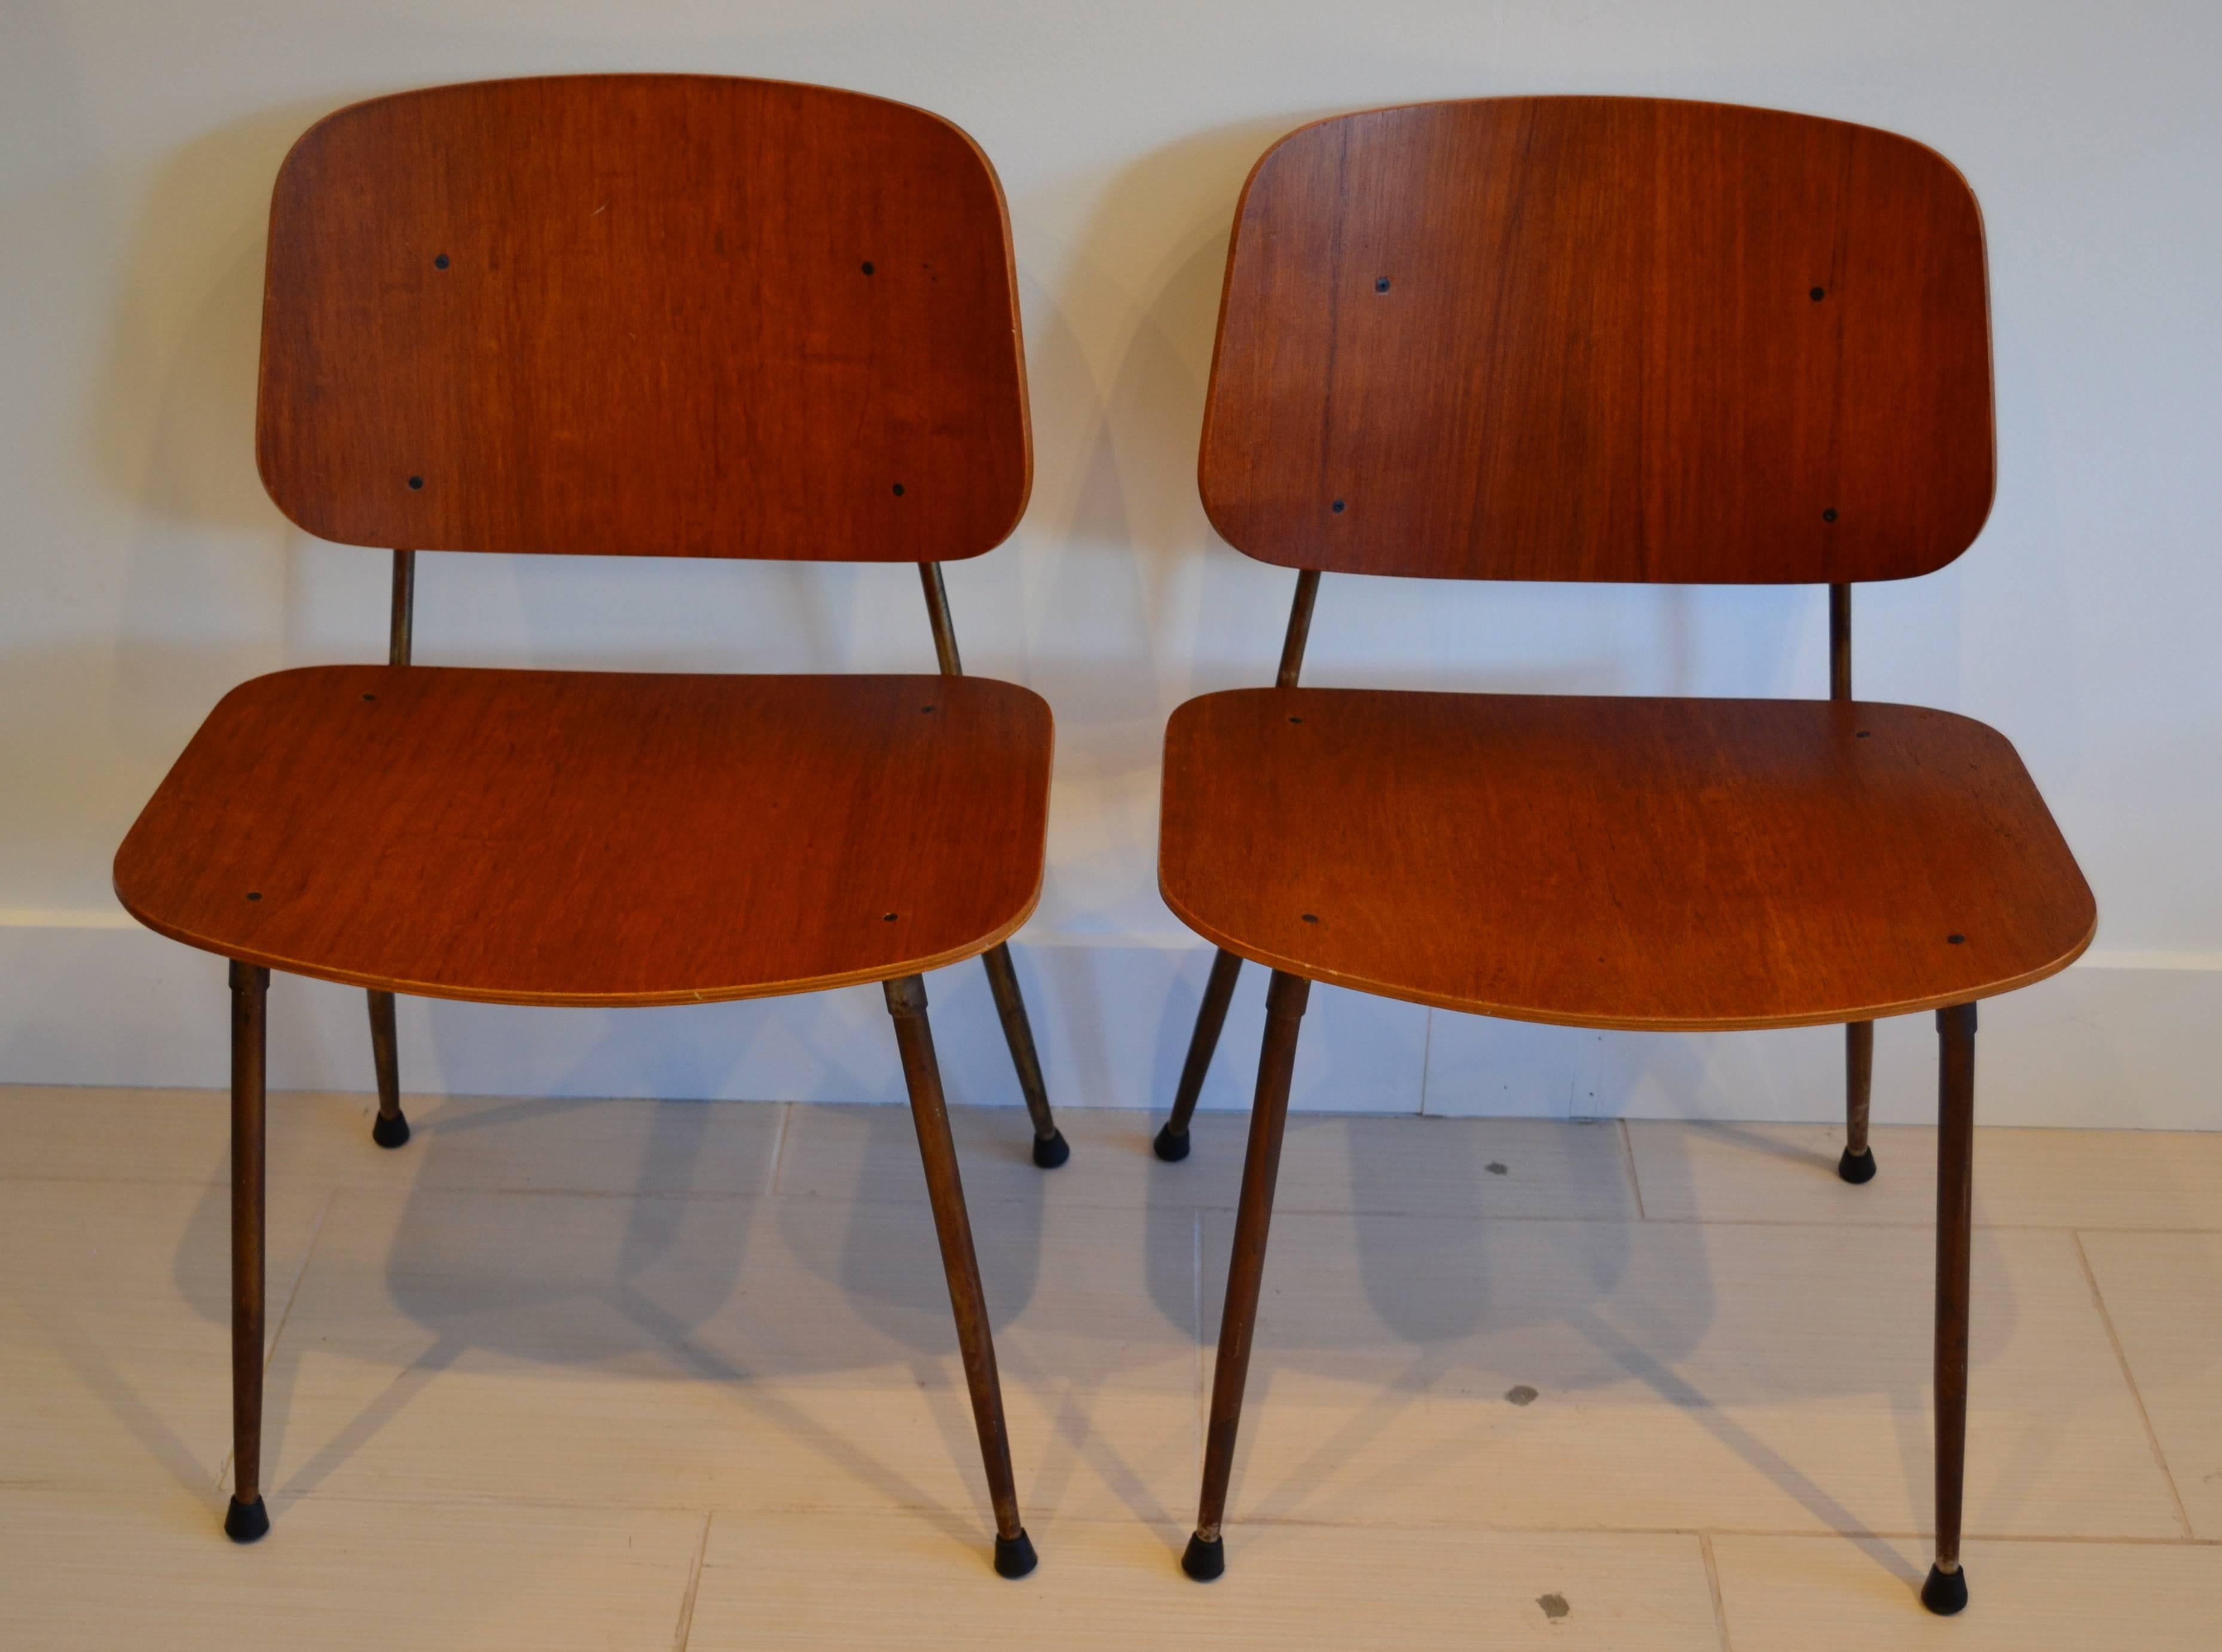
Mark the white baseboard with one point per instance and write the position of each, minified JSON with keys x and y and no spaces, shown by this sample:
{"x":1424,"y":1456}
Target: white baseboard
{"x":2131,"y":1042}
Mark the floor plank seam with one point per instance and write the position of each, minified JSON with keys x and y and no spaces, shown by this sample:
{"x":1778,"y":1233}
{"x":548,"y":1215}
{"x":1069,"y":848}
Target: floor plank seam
{"x":907,"y":1515}
{"x":1672,"y":1528}
{"x":1202,"y":1394}
{"x":637,"y":1195}
{"x":686,"y":1630}
{"x":779,"y":1149}
{"x":1887,"y":1224}
{"x":2143,"y":1232}
{"x":1713,"y":1584}
{"x":285,"y":1313}
{"x":991,"y":1198}
{"x":1427,"y":1050}
{"x":2122,"y":1358}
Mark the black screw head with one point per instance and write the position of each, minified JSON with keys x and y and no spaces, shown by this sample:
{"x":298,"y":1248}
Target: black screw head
{"x":1829,"y":515}
{"x":899,"y":490}
{"x":1337,"y":507}
{"x":1955,"y":940}
{"x":255,"y":894}
{"x":1295,"y":719}
{"x":868,"y":267}
{"x":887,"y":917}
{"x":926,"y":708}
{"x":441,"y":262}
{"x":1381,"y":284}
{"x":1818,"y":294}
{"x":417,"y":483}
{"x":1862,"y":735}
{"x":1311,"y":917}
{"x":370,"y":697}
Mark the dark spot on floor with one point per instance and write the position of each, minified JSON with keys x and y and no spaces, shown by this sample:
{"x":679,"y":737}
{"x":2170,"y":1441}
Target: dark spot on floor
{"x":1495,"y":1170}
{"x":1520,"y":1395}
{"x":1554,"y":1605}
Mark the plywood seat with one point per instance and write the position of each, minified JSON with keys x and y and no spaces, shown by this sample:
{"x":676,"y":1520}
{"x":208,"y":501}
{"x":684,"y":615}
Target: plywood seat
{"x":1609,"y":340}
{"x":1618,"y":862}
{"x":625,"y":316}
{"x":592,"y":838}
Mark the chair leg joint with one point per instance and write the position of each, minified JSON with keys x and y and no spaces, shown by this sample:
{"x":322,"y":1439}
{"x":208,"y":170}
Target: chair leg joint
{"x":906,"y":996}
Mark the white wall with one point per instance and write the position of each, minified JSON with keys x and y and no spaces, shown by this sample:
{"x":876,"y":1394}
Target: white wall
{"x":144,"y":571}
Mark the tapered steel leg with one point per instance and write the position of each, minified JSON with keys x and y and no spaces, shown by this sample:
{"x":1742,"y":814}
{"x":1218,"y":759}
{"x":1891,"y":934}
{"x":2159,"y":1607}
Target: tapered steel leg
{"x":247,"y":1519}
{"x":1946,"y":1591}
{"x":1858,"y":1163}
{"x":1014,"y":1554}
{"x":1049,"y":1149}
{"x":1210,"y":1016}
{"x":390,"y":1129}
{"x":1261,"y":1167}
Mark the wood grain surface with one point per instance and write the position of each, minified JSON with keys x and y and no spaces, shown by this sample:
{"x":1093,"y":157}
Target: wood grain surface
{"x":585,"y":837}
{"x":1617,"y":862}
{"x":1599,"y":338}
{"x":668,"y":315}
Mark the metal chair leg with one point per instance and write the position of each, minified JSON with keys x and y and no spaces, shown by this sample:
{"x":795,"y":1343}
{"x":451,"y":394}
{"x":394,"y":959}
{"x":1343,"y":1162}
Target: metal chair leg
{"x":1049,"y":1147}
{"x":1946,"y":1591}
{"x":1014,"y":1554}
{"x":1210,"y":1015}
{"x":1858,"y":1164}
{"x":247,"y":1519}
{"x":390,"y":1129}
{"x":1261,"y":1167}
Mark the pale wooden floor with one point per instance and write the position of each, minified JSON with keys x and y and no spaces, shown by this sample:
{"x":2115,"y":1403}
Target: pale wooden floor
{"x":628,"y":1374}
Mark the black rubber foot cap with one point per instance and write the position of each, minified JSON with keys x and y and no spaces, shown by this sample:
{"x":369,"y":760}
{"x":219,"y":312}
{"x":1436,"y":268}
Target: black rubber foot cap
{"x":390,"y":1132}
{"x":1857,"y":1167}
{"x":1945,"y":1593}
{"x":1204,"y":1560}
{"x":1172,"y":1150}
{"x":1015,"y":1556}
{"x":1052,"y":1150}
{"x":244,"y":1521}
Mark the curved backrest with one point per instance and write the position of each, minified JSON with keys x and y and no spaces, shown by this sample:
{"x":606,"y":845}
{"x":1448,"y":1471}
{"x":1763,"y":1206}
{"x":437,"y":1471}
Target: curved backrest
{"x":669,"y":315}
{"x":1602,"y":338}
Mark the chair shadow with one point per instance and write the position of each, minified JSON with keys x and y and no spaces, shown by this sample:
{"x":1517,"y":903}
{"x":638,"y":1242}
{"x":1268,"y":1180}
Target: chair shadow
{"x":669,"y":1283}
{"x":1605,"y":1323}
{"x":884,"y":1262}
{"x":162,"y":1442}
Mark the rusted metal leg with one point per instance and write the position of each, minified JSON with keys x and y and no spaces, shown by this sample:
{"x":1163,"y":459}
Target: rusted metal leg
{"x":1210,"y":1015}
{"x":1268,"y":1116}
{"x":390,"y":1129}
{"x":1049,"y":1149}
{"x":247,"y":1519}
{"x":1014,"y":1554}
{"x":1858,"y":1163}
{"x":1946,"y":1591}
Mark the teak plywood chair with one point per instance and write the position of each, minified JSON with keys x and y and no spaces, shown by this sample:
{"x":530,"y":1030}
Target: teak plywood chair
{"x":636,"y":315}
{"x":1624,"y":340}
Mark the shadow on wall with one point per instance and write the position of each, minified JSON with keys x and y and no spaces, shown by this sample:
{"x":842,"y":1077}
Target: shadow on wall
{"x":1116,"y":436}
{"x":170,"y":436}
{"x":173,"y":425}
{"x":1131,"y":473}
{"x":68,"y":800}
{"x":167,"y":438}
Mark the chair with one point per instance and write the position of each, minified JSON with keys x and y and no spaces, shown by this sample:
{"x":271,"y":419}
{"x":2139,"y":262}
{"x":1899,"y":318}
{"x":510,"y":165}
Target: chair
{"x":1606,"y":338}
{"x":629,"y":315}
